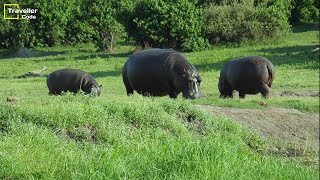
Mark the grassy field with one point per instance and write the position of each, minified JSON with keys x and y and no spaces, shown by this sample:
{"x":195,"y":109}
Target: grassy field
{"x":120,"y":137}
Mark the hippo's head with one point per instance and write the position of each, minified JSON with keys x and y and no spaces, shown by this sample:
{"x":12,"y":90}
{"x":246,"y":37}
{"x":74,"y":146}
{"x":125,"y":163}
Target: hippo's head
{"x":95,"y":90}
{"x":188,"y":82}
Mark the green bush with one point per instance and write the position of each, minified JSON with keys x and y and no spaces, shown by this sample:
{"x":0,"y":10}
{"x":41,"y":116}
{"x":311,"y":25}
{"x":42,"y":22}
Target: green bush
{"x":52,"y":20}
{"x":274,"y":15}
{"x":304,"y":11}
{"x":16,"y":33}
{"x":240,"y":22}
{"x":167,"y":24}
{"x":228,"y":2}
{"x":47,"y":29}
{"x":101,"y":16}
{"x":79,"y":30}
{"x":61,"y":23}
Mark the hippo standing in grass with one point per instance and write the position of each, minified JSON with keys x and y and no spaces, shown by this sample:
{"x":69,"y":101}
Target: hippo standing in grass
{"x":161,"y":72}
{"x":247,"y":75}
{"x":72,"y":80}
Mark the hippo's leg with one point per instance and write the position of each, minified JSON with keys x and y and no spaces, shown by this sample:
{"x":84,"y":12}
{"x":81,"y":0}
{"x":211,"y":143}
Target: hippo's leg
{"x":54,"y":93}
{"x":128,"y":86}
{"x":229,"y":95}
{"x":228,"y":90}
{"x":126,"y":80}
{"x":129,"y":90}
{"x":144,"y":93}
{"x":173,"y":95}
{"x":242,"y":95}
{"x":264,"y":90}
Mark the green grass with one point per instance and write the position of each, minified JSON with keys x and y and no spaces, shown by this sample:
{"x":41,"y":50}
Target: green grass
{"x":120,"y":137}
{"x":80,"y":137}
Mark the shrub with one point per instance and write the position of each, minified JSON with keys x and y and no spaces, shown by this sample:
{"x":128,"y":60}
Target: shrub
{"x":101,"y":16}
{"x":79,"y":30}
{"x":62,"y":22}
{"x":304,"y":11}
{"x":52,"y":19}
{"x":239,"y":22}
{"x":274,"y":16}
{"x":16,"y":33}
{"x":227,"y":2}
{"x":47,"y":29}
{"x":167,"y":24}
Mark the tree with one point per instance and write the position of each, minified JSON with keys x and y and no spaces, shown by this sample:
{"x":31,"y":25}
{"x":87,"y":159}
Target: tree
{"x":101,"y":16}
{"x":167,"y":24}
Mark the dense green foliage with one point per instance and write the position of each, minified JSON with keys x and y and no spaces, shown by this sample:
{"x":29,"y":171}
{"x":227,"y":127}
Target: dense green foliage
{"x":48,"y":29}
{"x":100,"y":15}
{"x":182,"y":24}
{"x":244,"y":21}
{"x":305,"y":11}
{"x":167,"y":24}
{"x":62,"y":23}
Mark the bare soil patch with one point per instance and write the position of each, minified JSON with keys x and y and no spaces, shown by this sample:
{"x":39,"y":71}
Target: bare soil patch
{"x":290,"y":127}
{"x":299,"y":94}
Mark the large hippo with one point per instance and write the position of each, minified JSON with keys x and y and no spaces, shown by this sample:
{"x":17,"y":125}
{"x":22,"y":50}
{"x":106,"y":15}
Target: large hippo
{"x":161,"y":72}
{"x":247,"y":75}
{"x":72,"y":80}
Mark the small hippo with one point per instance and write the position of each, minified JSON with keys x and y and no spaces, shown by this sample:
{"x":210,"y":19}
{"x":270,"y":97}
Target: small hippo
{"x":72,"y":80}
{"x":161,"y":72}
{"x":247,"y":75}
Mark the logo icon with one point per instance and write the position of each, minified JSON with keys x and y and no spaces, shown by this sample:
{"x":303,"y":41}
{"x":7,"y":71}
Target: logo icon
{"x":8,"y":11}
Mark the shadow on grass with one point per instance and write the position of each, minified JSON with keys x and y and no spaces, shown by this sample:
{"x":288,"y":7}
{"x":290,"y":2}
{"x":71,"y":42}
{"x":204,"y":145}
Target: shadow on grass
{"x":103,"y":56}
{"x":30,"y":53}
{"x":290,"y":55}
{"x":99,"y":74}
{"x":305,"y":28}
{"x":294,"y":55}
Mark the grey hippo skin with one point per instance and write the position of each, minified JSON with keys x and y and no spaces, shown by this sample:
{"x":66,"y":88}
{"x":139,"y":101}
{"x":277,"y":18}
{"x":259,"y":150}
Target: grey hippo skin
{"x":72,"y":80}
{"x":161,"y":72}
{"x":247,"y":75}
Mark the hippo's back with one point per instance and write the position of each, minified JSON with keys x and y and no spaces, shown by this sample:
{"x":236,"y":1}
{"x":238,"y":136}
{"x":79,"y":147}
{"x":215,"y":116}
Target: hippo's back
{"x":64,"y":80}
{"x":248,"y":72}
{"x":147,"y":71}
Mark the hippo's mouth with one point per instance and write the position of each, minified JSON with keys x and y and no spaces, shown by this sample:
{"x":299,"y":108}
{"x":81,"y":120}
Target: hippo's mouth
{"x":95,"y":91}
{"x":192,"y":92}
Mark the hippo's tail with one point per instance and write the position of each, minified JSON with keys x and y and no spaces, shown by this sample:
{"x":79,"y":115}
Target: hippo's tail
{"x":271,"y":74}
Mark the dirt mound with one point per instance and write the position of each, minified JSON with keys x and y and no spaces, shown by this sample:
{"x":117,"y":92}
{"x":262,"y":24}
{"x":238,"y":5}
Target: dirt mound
{"x":289,"y":126}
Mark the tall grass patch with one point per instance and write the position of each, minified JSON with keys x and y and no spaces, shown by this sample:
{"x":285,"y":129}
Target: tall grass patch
{"x":82,"y":137}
